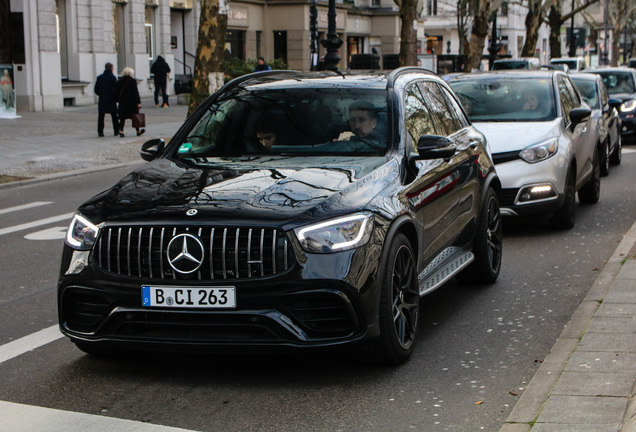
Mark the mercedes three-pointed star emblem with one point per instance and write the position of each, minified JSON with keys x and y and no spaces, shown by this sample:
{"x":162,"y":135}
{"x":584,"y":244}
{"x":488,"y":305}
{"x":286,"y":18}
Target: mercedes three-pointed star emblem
{"x":185,"y":253}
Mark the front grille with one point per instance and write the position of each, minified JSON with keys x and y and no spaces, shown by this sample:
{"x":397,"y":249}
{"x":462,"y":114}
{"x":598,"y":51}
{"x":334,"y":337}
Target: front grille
{"x":228,"y":253}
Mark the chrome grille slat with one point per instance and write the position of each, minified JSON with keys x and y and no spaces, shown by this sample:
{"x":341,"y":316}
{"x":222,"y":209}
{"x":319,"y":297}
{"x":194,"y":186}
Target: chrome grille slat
{"x":232,"y":252}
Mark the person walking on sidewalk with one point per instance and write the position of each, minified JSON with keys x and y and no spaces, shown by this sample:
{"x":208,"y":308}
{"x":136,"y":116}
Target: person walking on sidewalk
{"x":161,"y":69}
{"x":105,"y":89}
{"x":128,"y":99}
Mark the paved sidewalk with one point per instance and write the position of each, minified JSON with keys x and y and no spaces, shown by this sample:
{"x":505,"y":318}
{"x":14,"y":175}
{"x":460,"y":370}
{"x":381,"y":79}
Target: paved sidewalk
{"x":586,"y":384}
{"x":45,"y":143}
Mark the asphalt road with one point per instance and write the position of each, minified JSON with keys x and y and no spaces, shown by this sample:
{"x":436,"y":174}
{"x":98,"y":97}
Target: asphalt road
{"x":477,"y":349}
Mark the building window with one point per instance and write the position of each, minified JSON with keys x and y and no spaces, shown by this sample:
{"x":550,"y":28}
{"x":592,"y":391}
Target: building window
{"x":503,"y":11}
{"x":431,"y":7}
{"x":258,"y":44}
{"x":62,"y":44}
{"x":235,"y":44}
{"x":435,"y":44}
{"x":280,"y":45}
{"x":150,"y":32}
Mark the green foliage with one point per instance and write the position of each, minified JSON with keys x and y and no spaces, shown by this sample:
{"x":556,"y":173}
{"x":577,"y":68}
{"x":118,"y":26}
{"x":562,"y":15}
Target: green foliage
{"x":235,"y":67}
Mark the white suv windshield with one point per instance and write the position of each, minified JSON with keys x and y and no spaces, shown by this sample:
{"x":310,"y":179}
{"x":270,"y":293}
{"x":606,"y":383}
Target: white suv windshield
{"x":506,"y":100}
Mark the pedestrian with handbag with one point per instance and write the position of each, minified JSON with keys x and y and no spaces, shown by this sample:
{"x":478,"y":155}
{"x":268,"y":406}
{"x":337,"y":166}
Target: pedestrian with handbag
{"x":129,"y":102}
{"x":106,"y":90}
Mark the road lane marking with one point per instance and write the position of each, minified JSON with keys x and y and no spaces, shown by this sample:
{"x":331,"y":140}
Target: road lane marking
{"x":54,"y":233}
{"x":34,"y":224}
{"x":25,"y":206}
{"x":29,"y":343}
{"x":29,"y":418}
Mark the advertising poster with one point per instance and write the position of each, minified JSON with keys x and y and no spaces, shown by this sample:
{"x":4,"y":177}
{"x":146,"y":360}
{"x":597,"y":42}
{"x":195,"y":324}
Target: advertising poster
{"x":7,"y":90}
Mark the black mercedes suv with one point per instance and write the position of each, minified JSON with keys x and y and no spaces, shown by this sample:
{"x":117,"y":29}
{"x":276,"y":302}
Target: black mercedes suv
{"x":292,"y":210}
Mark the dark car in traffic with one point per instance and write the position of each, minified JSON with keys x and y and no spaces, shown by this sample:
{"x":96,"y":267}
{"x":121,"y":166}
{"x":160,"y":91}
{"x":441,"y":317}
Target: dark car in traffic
{"x":621,"y":84}
{"x":291,"y":211}
{"x":605,"y":117}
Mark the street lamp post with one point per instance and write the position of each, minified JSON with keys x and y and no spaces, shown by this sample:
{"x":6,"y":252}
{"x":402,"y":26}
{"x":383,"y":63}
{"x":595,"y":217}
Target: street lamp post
{"x":333,"y":42}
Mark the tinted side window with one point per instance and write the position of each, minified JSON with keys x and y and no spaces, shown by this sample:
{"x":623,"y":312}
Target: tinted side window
{"x":445,"y":121}
{"x":417,"y":116}
{"x":454,"y":109}
{"x":567,"y":103}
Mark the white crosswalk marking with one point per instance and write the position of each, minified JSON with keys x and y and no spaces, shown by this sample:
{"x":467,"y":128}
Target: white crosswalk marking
{"x":28,"y":418}
{"x":25,"y":206}
{"x":34,"y":224}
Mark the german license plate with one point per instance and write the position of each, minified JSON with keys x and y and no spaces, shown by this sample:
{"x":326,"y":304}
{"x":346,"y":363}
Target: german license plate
{"x":188,"y":297}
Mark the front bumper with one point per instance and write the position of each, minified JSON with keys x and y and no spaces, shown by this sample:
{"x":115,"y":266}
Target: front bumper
{"x":322,"y":300}
{"x":530,"y":189}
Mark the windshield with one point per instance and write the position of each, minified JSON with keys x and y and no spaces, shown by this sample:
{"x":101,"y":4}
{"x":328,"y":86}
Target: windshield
{"x":520,"y":64}
{"x":506,"y":99}
{"x":291,"y":121}
{"x":618,"y":82}
{"x":588,"y":92}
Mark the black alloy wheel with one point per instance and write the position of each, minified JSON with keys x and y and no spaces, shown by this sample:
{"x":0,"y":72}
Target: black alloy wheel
{"x":564,"y":218}
{"x":617,"y":154}
{"x":488,"y":244}
{"x":399,"y":303}
{"x":590,"y":193}
{"x":605,"y":158}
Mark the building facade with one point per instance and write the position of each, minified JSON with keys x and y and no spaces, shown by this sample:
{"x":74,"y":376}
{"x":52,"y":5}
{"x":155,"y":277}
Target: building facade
{"x":58,"y":47}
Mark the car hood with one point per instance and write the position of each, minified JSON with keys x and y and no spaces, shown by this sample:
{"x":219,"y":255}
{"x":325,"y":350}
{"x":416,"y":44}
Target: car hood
{"x":512,"y":136}
{"x":265,"y":191}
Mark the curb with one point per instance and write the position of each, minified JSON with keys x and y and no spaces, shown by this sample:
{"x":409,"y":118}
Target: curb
{"x":533,"y":400}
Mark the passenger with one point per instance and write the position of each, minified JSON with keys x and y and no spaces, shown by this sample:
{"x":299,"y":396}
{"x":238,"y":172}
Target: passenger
{"x":363,"y":118}
{"x":267,"y":134}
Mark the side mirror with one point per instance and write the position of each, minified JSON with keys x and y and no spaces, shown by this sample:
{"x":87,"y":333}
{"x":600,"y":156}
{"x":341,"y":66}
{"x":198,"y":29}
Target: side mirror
{"x":615,"y":103}
{"x":578,"y":115}
{"x":150,"y":150}
{"x":435,"y":147}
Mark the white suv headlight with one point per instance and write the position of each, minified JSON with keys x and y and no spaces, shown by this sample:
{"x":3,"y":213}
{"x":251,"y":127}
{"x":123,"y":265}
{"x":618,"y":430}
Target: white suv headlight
{"x":538,"y":152}
{"x":628,"y":106}
{"x":81,"y":233}
{"x":336,"y":235}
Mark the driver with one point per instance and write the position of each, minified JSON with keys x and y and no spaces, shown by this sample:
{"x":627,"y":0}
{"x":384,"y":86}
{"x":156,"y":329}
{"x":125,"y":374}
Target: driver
{"x":363,"y":119}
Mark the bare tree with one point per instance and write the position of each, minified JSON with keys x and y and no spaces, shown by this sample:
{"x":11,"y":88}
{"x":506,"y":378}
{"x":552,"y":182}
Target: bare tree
{"x":483,"y":10}
{"x":556,"y":21}
{"x":208,"y":72}
{"x":537,"y":12}
{"x":464,"y":20}
{"x":619,"y":14}
{"x":408,"y":12}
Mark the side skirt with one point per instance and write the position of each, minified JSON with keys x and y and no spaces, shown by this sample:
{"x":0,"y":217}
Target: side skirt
{"x":446,"y":265}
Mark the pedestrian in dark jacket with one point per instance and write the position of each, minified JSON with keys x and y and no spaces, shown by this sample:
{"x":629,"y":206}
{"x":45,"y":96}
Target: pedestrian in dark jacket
{"x":128,"y":99}
{"x":106,"y":89}
{"x":160,"y":69}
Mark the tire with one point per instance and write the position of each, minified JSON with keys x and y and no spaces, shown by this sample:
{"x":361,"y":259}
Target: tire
{"x":591,"y":191}
{"x":617,"y":154}
{"x":487,"y":246}
{"x":564,"y":218}
{"x":605,"y":158}
{"x":399,"y":303}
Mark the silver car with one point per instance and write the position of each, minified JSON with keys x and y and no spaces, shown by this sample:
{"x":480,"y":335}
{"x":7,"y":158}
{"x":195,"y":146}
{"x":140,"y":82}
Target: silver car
{"x":605,"y":116}
{"x":540,"y":134}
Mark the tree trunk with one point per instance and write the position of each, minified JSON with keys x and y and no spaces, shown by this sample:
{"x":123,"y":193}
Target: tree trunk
{"x":478,"y":34}
{"x":554,"y":18}
{"x":208,"y":72}
{"x":534,"y":19}
{"x":408,"y":33}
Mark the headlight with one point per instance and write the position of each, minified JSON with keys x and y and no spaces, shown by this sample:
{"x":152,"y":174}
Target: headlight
{"x":628,"y":106}
{"x":538,"y":152}
{"x":336,"y":235}
{"x":81,"y":234}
